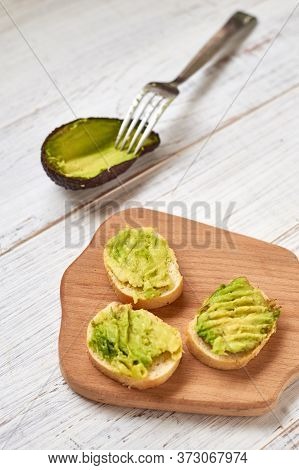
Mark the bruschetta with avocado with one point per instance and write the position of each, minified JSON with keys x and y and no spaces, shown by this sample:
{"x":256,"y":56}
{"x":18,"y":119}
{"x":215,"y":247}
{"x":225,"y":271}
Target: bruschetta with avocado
{"x":142,"y":268}
{"x":232,"y":325}
{"x":134,"y":347}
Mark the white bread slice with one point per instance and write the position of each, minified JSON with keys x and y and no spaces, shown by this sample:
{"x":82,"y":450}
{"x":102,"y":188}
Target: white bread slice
{"x":161,"y":370}
{"x":125,"y":292}
{"x":202,"y":351}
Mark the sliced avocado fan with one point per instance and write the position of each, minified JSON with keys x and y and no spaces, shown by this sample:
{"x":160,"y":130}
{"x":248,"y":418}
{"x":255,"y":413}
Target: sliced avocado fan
{"x":236,"y":318}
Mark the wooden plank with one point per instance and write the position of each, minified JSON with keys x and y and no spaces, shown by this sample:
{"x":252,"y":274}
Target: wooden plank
{"x":90,"y":39}
{"x":288,"y":439}
{"x":244,"y":180}
{"x":260,"y":164}
{"x":290,"y":236}
{"x":32,"y":405}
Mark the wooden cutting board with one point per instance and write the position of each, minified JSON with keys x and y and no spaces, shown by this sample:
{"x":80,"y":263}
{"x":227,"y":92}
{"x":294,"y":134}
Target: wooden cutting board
{"x":207,"y":257}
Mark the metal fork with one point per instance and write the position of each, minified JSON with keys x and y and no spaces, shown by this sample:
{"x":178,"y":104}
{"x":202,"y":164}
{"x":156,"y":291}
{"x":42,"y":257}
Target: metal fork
{"x":155,"y":97}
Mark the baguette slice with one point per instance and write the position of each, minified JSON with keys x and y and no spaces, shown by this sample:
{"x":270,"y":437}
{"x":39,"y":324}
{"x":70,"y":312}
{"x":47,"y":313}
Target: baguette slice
{"x":127,"y":293}
{"x":203,"y":351}
{"x":160,"y":371}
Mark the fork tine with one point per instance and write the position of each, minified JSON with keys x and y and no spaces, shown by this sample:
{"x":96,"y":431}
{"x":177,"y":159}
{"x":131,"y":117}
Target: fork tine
{"x":159,"y":111}
{"x":139,"y":110}
{"x":143,"y":123}
{"x":129,"y":115}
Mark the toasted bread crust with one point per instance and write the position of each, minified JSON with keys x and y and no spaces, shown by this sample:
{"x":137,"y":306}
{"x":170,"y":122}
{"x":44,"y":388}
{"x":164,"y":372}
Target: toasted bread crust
{"x":158,"y":374}
{"x":126,"y":293}
{"x":160,"y":371}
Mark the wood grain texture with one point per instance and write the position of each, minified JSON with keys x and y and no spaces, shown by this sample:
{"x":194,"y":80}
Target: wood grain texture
{"x":92,"y":57}
{"x":256,"y":140}
{"x":38,"y":409}
{"x":207,"y":257}
{"x":288,"y":439}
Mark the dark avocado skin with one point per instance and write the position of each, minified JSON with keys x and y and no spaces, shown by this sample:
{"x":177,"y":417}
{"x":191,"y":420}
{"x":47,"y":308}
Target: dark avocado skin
{"x":76,"y":183}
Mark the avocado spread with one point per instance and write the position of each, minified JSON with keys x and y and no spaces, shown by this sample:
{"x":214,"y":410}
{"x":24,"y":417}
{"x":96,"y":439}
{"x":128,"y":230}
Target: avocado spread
{"x":140,"y":258}
{"x":130,"y":340}
{"x":85,"y":148}
{"x":236,"y":318}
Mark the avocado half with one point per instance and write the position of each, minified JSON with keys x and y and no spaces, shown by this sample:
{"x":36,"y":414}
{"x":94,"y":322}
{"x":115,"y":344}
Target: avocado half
{"x":81,"y":153}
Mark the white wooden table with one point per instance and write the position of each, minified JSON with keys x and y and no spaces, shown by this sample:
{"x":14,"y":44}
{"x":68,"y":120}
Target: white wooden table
{"x":230,"y":140}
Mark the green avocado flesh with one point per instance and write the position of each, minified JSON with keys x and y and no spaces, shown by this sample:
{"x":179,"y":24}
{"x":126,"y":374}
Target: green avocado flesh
{"x":130,"y":340}
{"x":140,"y":259}
{"x":85,"y":148}
{"x":236,"y":318}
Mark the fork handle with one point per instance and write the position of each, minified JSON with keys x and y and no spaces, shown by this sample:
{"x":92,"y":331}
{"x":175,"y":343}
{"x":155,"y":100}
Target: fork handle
{"x":236,"y":23}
